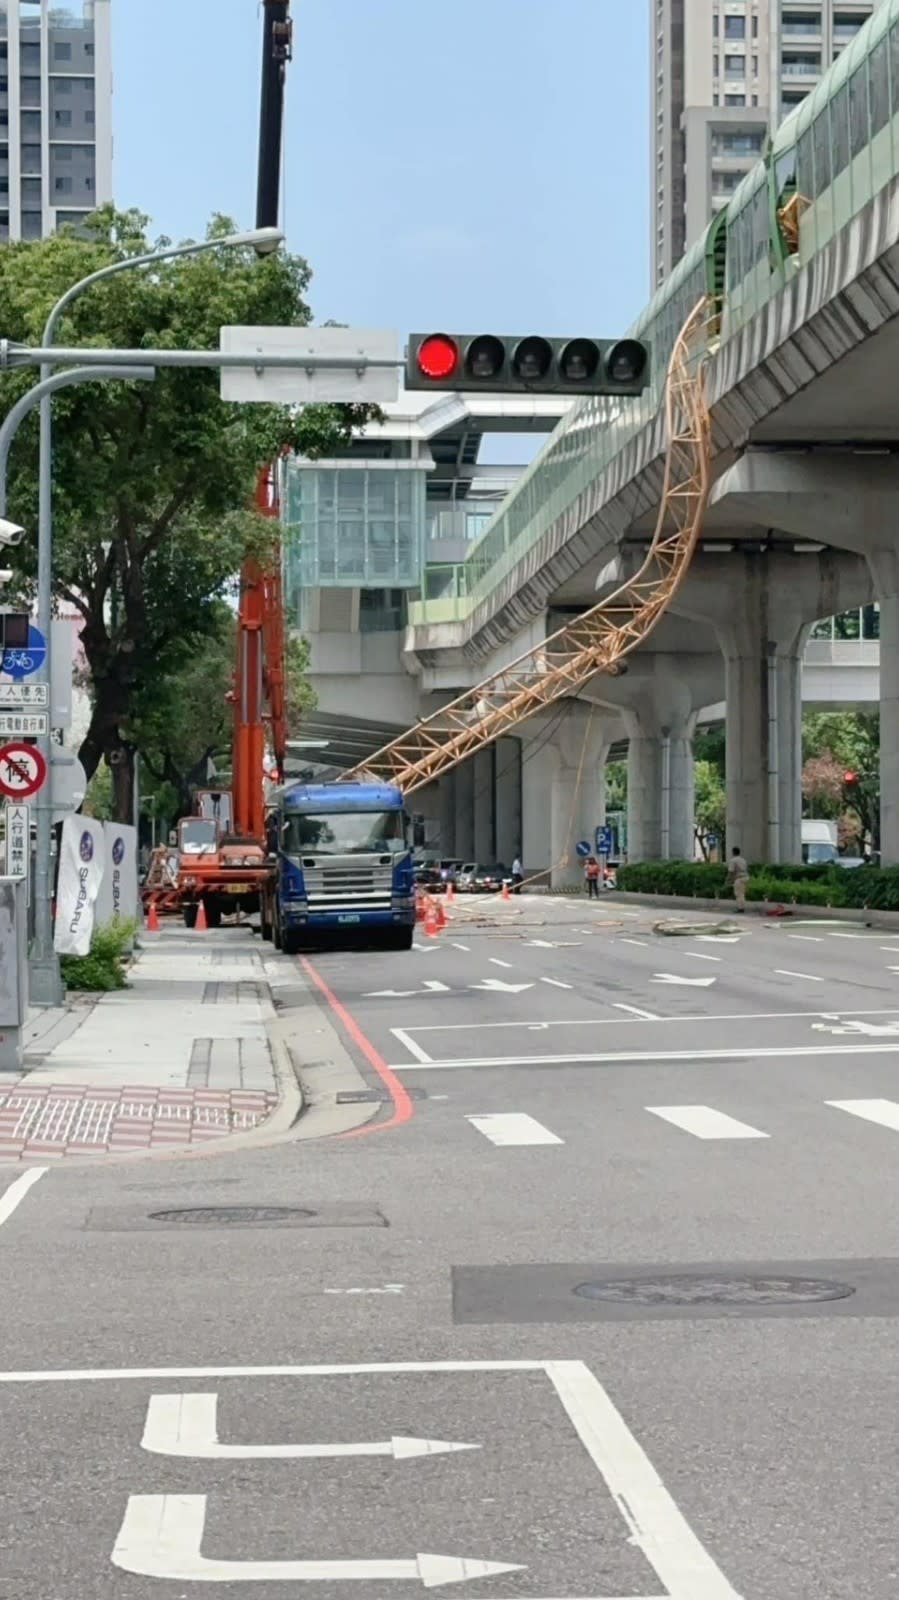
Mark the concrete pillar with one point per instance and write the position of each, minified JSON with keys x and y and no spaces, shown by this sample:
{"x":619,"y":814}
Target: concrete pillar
{"x":562,"y":790}
{"x":763,"y":730}
{"x":644,"y":794}
{"x":464,"y":786}
{"x":507,"y":791}
{"x":484,"y":805}
{"x":678,"y":793}
{"x":448,"y":814}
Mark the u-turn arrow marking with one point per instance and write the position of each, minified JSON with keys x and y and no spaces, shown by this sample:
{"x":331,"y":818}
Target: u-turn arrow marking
{"x":161,"y":1536}
{"x":186,"y":1425}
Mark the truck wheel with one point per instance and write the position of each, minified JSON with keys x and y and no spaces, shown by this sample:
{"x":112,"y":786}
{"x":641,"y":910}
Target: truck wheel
{"x":277,"y":939}
{"x":213,"y":916}
{"x":291,"y":941}
{"x":400,"y":939}
{"x":189,"y":914}
{"x":265,"y":927}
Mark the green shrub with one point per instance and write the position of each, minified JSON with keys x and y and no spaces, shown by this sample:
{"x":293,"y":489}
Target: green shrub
{"x":818,"y":885}
{"x":103,"y":968}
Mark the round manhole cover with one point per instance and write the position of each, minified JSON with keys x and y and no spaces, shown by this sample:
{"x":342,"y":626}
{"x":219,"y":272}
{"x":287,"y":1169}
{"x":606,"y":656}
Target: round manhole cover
{"x":688,"y":1289}
{"x":224,"y":1214}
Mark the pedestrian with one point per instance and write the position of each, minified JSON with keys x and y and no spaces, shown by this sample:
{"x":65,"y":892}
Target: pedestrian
{"x":738,"y":875}
{"x":517,"y":875}
{"x":591,"y":873}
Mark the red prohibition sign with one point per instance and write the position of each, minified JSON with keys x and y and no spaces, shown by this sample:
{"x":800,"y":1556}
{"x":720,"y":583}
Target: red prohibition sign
{"x":23,"y":771}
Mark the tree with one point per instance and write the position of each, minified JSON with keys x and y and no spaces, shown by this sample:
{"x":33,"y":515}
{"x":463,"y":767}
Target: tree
{"x":850,"y":740}
{"x":151,"y":481}
{"x":710,"y":803}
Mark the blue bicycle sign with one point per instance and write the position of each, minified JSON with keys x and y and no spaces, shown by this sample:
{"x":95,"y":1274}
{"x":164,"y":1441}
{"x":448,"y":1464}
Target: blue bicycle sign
{"x":19,"y":664}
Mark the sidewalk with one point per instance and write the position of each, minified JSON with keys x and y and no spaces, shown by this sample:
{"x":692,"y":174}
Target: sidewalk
{"x":180,"y":1058}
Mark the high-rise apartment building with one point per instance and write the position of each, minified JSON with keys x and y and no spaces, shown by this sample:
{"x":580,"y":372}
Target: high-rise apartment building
{"x":55,"y":115}
{"x":723,"y":73}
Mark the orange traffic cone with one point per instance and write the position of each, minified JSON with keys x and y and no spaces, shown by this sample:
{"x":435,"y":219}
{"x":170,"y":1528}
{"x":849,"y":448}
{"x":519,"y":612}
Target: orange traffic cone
{"x":420,"y":906}
{"x":450,"y":891}
{"x":201,"y":924}
{"x":506,"y":891}
{"x":153,"y":919}
{"x":440,"y":915}
{"x":432,"y":924}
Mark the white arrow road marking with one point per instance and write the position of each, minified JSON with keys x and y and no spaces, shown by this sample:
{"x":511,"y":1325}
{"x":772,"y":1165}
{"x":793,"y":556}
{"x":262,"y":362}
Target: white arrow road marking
{"x":431,"y":987}
{"x":185,"y":1425}
{"x":890,"y":1029}
{"x":704,"y":1122}
{"x":886,"y":1112}
{"x":670,"y":977}
{"x":161,"y":1535}
{"x":499,"y":985}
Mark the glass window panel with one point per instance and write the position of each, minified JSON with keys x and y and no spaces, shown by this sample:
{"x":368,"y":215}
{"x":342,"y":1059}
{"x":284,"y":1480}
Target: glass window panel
{"x":858,"y":110}
{"x":805,"y":173}
{"x":879,"y":86}
{"x":821,"y":141}
{"x":839,"y":129}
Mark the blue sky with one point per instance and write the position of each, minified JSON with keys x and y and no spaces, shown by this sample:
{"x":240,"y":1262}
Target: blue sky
{"x":465,"y":164}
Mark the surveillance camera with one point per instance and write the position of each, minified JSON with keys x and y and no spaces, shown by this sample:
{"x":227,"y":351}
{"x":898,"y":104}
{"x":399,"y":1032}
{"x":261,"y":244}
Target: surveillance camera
{"x":10,"y":532}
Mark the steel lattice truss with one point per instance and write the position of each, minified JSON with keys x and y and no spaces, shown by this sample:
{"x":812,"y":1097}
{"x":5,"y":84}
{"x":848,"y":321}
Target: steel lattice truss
{"x":598,"y":639}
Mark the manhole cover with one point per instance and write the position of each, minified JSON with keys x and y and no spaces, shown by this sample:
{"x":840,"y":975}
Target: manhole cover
{"x":684,"y":1289}
{"x":217,"y":1215}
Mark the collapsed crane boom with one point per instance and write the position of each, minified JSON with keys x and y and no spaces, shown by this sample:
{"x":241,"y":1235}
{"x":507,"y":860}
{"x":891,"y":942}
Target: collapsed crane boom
{"x":599,"y":639}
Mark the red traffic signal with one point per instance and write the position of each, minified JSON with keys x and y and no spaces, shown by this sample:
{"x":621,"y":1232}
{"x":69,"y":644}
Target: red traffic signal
{"x":438,"y":356}
{"x":850,"y":779}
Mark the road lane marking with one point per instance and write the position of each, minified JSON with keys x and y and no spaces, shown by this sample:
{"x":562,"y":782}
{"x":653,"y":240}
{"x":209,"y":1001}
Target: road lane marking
{"x":658,"y":1528}
{"x":651,"y":1016}
{"x":513,"y":1128}
{"x":658,"y":1057}
{"x":808,"y":938}
{"x":886,"y":1112}
{"x":162,"y":1534}
{"x":500,"y":986}
{"x":413,"y":1048}
{"x":700,"y":955}
{"x":456,"y":946}
{"x":674,"y":977}
{"x":891,"y":949}
{"x":187,"y":1425}
{"x":495,"y":961}
{"x":642,"y":944}
{"x":557,"y":983}
{"x":15,"y":1194}
{"x":704,"y":1122}
{"x":810,"y":977}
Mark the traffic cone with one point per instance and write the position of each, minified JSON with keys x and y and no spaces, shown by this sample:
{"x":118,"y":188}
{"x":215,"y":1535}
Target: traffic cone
{"x":419,"y":906}
{"x":506,"y":893}
{"x":450,"y":891}
{"x":153,"y":919}
{"x":432,"y":924}
{"x":201,"y":925}
{"x":440,"y":914}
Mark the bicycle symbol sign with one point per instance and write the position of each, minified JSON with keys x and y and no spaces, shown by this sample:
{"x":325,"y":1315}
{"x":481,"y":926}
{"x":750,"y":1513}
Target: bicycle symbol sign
{"x":19,"y":664}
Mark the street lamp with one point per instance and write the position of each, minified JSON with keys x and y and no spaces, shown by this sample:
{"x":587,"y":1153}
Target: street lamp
{"x":46,"y":982}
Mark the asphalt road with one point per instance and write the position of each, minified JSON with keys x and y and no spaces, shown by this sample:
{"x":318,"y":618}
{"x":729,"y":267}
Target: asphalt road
{"x":625,"y":1225}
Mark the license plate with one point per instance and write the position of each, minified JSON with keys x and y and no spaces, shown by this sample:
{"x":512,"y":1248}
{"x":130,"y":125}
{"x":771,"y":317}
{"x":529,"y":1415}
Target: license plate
{"x":349,"y":919}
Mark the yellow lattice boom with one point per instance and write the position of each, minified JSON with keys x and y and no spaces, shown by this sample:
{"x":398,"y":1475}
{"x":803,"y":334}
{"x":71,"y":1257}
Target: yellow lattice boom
{"x":600,"y":638}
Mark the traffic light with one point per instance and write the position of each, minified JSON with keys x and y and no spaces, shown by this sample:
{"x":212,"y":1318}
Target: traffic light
{"x":526,"y":364}
{"x":850,"y":780}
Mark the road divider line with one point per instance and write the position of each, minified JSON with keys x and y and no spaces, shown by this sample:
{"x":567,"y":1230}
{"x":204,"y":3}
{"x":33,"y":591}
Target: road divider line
{"x":557,"y":983}
{"x":15,"y":1194}
{"x":456,"y":946}
{"x":496,"y":962}
{"x":704,"y":1122}
{"x":513,"y":1128}
{"x":409,"y":1044}
{"x":653,"y":1057}
{"x":699,"y":955}
{"x":642,"y":944}
{"x":635,"y":1011}
{"x":808,"y":938}
{"x":651,"y":1016}
{"x":809,"y":977}
{"x":886,"y":1112}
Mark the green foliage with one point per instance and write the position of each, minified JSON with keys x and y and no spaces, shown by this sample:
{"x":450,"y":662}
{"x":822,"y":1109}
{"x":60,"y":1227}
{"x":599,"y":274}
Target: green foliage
{"x":103,"y":968}
{"x":710,"y":801}
{"x":98,"y":801}
{"x":709,"y":746}
{"x":820,"y":884}
{"x":151,"y":481}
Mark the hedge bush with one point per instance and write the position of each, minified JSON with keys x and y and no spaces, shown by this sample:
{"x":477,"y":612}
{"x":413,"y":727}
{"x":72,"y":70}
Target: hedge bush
{"x":103,"y":968}
{"x":820,"y":884}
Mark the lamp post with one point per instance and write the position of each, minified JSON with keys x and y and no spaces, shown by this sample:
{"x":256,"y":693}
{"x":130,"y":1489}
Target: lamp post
{"x":46,"y":982}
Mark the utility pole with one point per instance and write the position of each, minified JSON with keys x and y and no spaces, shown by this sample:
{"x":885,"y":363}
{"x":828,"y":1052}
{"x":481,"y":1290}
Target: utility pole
{"x":277,"y":50}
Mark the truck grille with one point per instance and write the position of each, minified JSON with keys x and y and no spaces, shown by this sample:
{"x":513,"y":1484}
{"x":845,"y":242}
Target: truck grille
{"x":352,"y":887}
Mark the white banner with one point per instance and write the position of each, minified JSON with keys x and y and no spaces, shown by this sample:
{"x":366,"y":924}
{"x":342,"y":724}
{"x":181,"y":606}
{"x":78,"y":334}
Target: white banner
{"x":117,"y":900}
{"x":82,"y":855}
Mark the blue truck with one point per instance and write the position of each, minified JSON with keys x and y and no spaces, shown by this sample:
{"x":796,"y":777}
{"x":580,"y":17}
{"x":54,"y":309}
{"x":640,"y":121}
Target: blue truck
{"x":342,"y":867}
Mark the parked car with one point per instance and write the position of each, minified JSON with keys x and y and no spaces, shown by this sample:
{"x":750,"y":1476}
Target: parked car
{"x":476,"y":878}
{"x":427,"y":874}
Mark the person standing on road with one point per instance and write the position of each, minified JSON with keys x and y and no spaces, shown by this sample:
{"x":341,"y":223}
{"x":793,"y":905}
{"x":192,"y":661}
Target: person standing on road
{"x":517,"y":875}
{"x":591,"y":873}
{"x":738,"y":875}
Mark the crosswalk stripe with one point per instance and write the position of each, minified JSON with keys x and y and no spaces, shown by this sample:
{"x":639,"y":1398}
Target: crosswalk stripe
{"x":513,"y":1127}
{"x":704,"y":1122}
{"x":886,"y":1112}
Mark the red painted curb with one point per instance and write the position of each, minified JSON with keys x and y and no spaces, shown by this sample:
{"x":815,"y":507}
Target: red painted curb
{"x":403,"y":1106}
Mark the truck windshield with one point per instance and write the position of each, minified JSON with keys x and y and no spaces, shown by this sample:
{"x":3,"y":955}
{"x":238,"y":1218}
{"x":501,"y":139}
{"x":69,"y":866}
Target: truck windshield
{"x":197,"y":836}
{"x":343,"y":833}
